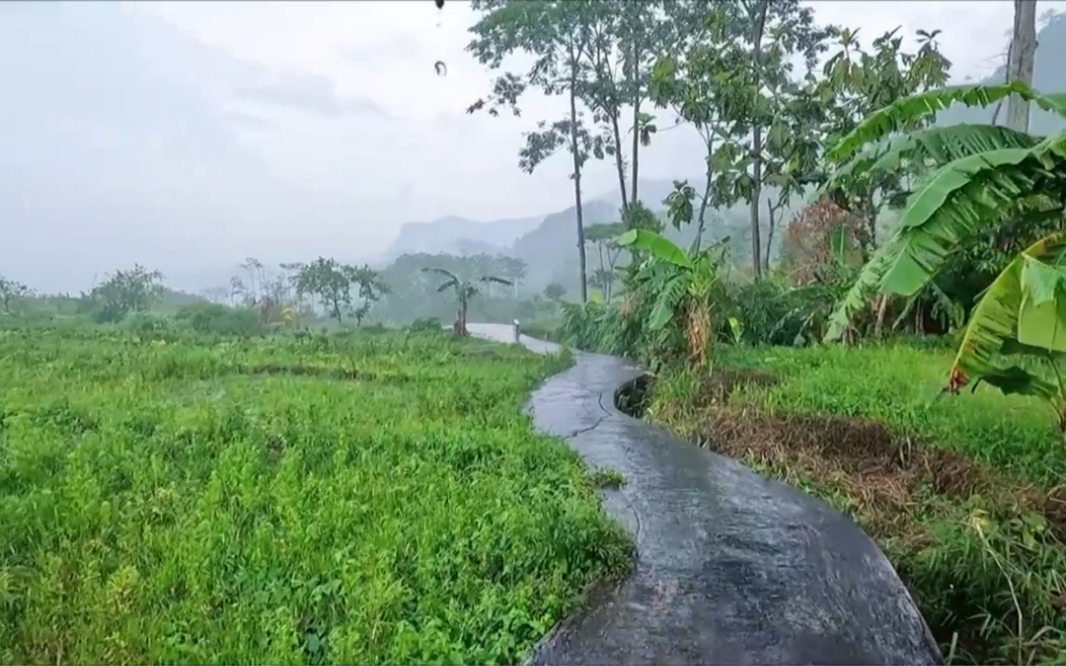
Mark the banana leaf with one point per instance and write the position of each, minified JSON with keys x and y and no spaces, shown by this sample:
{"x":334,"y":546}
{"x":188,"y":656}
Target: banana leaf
{"x":993,"y":325}
{"x":934,"y":145}
{"x":657,"y":245}
{"x":901,"y":115}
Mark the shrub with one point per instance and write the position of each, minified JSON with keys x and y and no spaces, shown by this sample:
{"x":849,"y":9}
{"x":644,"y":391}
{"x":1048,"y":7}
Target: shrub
{"x":216,"y":319}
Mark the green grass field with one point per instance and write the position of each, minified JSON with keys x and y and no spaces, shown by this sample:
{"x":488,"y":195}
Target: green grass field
{"x":964,"y":493}
{"x":350,"y":498}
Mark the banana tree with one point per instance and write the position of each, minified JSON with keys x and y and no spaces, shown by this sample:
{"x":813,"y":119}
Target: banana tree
{"x":978,"y":176}
{"x":971,"y":178}
{"x":683,"y":283}
{"x":1023,"y":313}
{"x":464,"y":291}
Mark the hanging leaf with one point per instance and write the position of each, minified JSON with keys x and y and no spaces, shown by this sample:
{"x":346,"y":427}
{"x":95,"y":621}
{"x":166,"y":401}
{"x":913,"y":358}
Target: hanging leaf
{"x":658,"y":246}
{"x":1042,"y":315}
{"x":994,"y":320}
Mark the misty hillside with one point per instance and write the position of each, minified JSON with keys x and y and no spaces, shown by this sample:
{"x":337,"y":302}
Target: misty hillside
{"x":547,"y":244}
{"x":458,"y":235}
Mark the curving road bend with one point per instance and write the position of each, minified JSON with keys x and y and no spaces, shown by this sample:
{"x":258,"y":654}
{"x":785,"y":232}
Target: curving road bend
{"x":732,"y":567}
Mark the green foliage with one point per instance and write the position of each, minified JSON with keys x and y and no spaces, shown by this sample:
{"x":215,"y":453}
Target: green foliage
{"x":982,"y":178}
{"x":1021,"y":315}
{"x":217,"y":319}
{"x":245,"y":501}
{"x":760,"y":126}
{"x":859,"y":83}
{"x":12,"y":294}
{"x":961,"y":200}
{"x":125,"y":291}
{"x":332,"y":282}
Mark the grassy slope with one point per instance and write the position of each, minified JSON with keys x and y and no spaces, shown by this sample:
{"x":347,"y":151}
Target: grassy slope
{"x":343,"y":499}
{"x":900,"y":386}
{"x":955,"y":490}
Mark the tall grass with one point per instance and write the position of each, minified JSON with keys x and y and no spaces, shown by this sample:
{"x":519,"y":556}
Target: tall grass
{"x":352,"y":498}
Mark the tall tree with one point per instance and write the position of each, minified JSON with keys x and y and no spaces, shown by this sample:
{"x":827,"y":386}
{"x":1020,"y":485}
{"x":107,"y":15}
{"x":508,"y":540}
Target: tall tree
{"x":859,"y":82}
{"x":647,"y":29}
{"x":603,"y":88}
{"x":127,"y":291}
{"x":1021,"y":56}
{"x":371,"y":288}
{"x":554,"y":32}
{"x":256,"y":273}
{"x":760,"y":124}
{"x":604,"y":236}
{"x":330,"y":281}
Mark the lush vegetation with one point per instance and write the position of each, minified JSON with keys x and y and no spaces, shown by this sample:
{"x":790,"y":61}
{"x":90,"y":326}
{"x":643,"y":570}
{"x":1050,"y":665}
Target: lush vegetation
{"x":203,"y":479}
{"x":344,"y":497}
{"x":926,"y":258}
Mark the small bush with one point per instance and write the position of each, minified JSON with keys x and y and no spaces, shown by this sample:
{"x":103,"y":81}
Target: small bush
{"x":426,"y":324}
{"x":147,"y":324}
{"x":216,"y":319}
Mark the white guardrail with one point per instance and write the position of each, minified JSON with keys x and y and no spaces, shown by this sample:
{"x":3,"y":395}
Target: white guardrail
{"x":517,"y":331}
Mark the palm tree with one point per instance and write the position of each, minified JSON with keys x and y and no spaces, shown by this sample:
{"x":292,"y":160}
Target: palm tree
{"x":976,"y":177}
{"x":464,"y":291}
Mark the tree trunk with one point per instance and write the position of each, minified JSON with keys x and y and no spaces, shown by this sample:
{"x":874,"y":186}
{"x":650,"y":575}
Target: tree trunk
{"x":756,"y":140}
{"x":1006,"y":79}
{"x":756,"y":245}
{"x":1020,"y":62}
{"x":619,"y":165}
{"x":771,"y":223}
{"x":867,"y":232}
{"x":574,"y":149}
{"x":882,"y":309}
{"x":636,"y":120}
{"x":701,"y":219}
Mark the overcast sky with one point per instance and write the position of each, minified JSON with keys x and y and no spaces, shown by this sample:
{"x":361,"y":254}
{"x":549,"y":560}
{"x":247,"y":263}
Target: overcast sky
{"x":188,"y":135}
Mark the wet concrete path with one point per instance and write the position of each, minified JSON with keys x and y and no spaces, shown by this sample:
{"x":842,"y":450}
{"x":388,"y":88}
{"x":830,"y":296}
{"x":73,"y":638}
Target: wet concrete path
{"x":732,"y":568}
